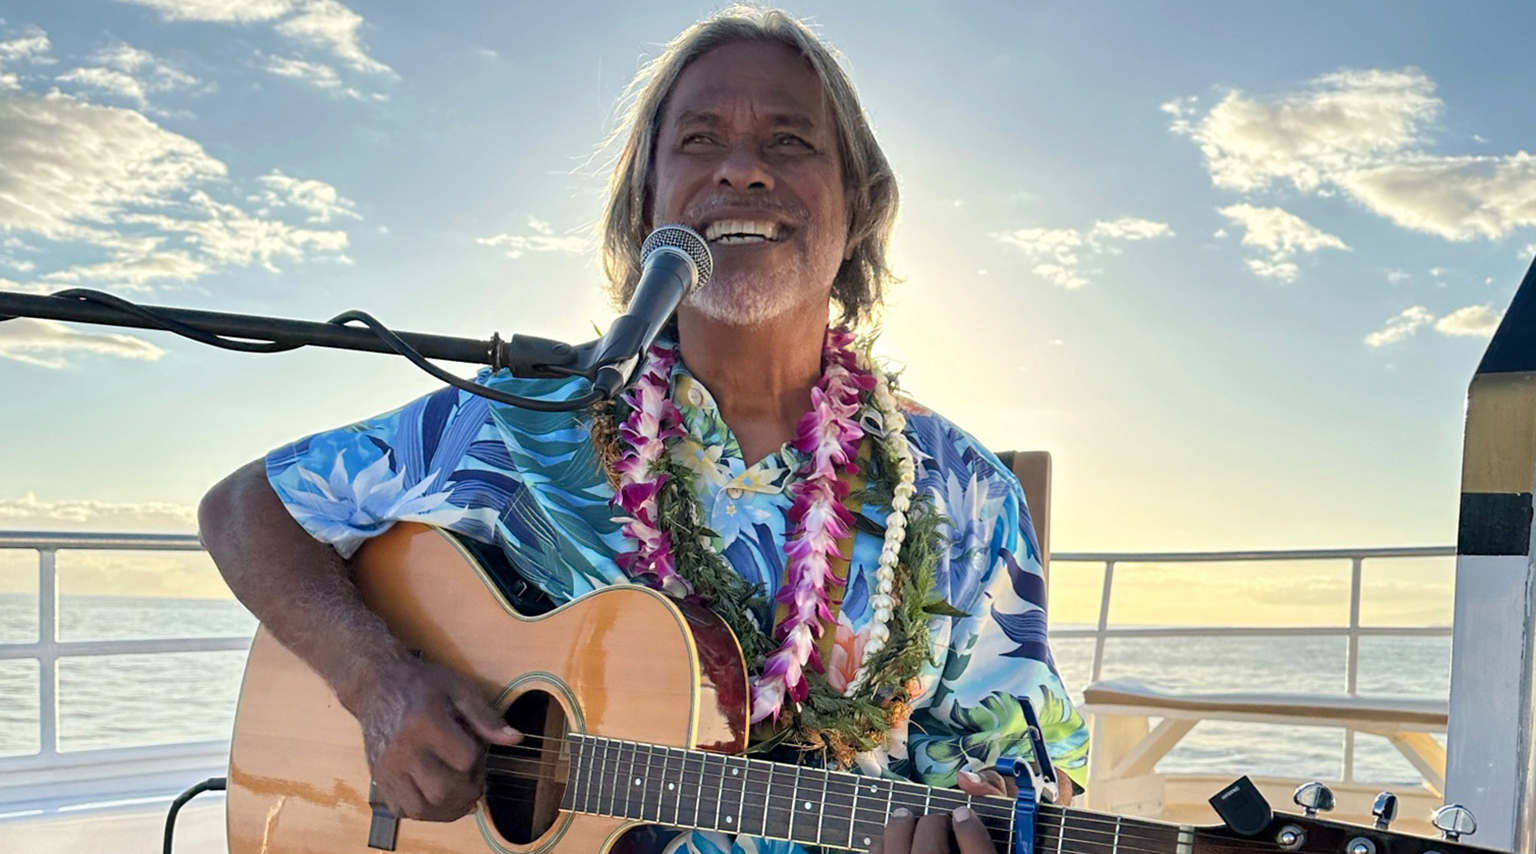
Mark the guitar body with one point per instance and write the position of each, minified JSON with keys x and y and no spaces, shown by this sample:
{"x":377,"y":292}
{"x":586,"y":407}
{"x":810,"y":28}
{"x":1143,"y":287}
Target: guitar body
{"x":625,"y":662}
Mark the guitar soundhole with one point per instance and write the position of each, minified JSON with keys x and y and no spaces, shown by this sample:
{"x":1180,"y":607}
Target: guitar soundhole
{"x":524,"y":784}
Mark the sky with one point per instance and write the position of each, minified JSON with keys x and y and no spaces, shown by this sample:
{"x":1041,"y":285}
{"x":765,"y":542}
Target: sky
{"x":1232,"y":265}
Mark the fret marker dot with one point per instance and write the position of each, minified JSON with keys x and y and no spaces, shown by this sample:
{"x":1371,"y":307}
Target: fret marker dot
{"x":728,"y":819}
{"x":866,"y":840}
{"x":670,"y":787}
{"x":735,"y":771}
{"x":872,"y":788}
{"x":637,"y":781}
{"x":807,"y":804}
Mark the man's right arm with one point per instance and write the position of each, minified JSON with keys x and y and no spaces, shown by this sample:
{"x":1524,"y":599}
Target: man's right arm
{"x":424,"y":726}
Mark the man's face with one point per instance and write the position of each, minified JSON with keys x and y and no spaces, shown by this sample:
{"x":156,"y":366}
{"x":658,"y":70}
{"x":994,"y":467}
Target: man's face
{"x":747,"y":156}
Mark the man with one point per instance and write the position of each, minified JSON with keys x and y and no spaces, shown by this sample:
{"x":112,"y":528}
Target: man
{"x":748,"y":131}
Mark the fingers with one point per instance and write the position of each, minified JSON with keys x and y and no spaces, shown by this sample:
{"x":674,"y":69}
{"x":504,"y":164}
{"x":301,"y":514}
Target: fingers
{"x":1066,"y":790}
{"x":988,"y":782}
{"x":898,"y":832}
{"x":484,"y":721}
{"x":971,"y":835}
{"x":447,"y":794}
{"x":931,"y":835}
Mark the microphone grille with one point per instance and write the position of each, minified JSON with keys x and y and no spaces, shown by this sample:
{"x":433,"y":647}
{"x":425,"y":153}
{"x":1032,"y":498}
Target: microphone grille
{"x":686,"y":239}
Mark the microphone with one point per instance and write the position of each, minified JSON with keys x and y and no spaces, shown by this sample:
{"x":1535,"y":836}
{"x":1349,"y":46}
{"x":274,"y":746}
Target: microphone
{"x":675,"y":261}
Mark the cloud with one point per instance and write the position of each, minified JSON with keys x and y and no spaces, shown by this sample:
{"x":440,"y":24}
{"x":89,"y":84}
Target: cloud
{"x":1282,"y":234}
{"x":1058,"y":251}
{"x":130,"y":73}
{"x":228,"y":235}
{"x":1363,"y":134}
{"x":109,"y":182}
{"x":1478,"y":320}
{"x":1397,"y":277}
{"x":47,"y":344}
{"x":1344,"y":120}
{"x":1528,"y":252}
{"x":1401,"y":326}
{"x":543,"y":239}
{"x":329,"y":24}
{"x":33,"y":46}
{"x":322,"y":200}
{"x":224,"y":11}
{"x":1457,"y":198}
{"x":1472,"y":320}
{"x":318,"y":75}
{"x":31,"y":512}
{"x":324,"y":24}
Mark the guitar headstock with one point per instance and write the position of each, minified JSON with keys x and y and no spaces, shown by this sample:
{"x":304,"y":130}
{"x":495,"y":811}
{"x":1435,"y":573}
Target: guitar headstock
{"x":1250,"y":824}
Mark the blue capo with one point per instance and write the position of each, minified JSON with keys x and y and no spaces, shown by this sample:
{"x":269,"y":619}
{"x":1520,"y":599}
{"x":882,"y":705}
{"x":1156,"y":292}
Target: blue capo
{"x":1025,"y":806}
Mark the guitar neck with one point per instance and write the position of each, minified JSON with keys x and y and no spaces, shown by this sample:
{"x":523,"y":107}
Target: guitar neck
{"x":695,"y":789}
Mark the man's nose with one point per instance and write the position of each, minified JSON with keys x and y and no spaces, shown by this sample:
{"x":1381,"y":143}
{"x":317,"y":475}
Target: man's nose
{"x":744,"y":168}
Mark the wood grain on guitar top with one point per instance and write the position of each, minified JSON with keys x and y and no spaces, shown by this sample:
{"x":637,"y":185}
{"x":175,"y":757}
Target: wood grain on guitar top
{"x":624,"y":662}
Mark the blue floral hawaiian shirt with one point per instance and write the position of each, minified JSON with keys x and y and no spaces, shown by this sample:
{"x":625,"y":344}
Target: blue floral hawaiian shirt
{"x":531,"y":483}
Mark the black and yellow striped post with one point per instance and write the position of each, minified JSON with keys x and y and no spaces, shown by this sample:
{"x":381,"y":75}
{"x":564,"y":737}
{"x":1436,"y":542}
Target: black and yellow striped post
{"x":1491,"y":746}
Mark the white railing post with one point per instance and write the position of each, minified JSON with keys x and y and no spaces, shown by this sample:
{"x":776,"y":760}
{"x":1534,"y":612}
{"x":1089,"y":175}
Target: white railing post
{"x":1352,"y":660}
{"x":48,"y":652}
{"x":1098,"y":643}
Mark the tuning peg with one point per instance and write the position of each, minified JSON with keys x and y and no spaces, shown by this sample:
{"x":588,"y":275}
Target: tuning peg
{"x":1312,"y":797}
{"x":1385,"y":809}
{"x":1454,"y":821}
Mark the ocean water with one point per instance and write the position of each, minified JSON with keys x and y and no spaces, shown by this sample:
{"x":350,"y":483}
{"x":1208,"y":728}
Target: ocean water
{"x":129,"y":700}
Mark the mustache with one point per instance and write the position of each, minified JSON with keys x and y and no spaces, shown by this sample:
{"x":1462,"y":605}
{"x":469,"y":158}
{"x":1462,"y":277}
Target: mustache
{"x":779,"y":208}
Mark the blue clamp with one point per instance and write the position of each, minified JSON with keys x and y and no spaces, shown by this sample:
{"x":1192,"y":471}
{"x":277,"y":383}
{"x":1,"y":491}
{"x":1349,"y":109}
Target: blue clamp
{"x":1026,"y":806}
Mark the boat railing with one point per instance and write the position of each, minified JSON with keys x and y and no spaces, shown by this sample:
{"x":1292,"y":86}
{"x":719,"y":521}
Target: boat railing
{"x":1352,"y":631}
{"x":53,"y":773}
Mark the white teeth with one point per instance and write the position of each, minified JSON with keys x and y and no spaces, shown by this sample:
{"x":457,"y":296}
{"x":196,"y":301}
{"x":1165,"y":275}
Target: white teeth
{"x":741,"y":231}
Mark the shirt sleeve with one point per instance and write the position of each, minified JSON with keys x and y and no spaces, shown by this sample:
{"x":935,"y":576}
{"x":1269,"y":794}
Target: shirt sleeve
{"x":437,"y":460}
{"x":998,"y":658}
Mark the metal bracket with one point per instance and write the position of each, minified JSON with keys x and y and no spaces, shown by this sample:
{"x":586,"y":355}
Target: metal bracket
{"x":384,"y":825}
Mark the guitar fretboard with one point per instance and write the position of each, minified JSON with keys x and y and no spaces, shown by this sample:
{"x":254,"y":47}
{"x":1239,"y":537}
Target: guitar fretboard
{"x":695,"y":789}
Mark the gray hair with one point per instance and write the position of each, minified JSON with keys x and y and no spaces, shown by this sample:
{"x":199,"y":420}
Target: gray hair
{"x":868,"y":183}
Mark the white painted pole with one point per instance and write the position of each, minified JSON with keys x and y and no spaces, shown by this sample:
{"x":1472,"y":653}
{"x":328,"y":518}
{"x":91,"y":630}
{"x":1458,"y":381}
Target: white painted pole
{"x":1491,"y":748}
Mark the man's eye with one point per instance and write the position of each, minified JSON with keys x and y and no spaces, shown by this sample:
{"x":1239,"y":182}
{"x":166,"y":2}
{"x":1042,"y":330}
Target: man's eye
{"x":696,"y":138}
{"x":792,"y":140}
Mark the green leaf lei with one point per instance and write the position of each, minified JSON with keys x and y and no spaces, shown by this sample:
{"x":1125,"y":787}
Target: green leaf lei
{"x":828,"y":722}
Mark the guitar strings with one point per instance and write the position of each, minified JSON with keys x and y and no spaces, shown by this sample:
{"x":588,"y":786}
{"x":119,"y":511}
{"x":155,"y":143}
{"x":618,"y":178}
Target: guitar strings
{"x":1083,"y":821}
{"x":1047,"y":836}
{"x":1083,"y":824}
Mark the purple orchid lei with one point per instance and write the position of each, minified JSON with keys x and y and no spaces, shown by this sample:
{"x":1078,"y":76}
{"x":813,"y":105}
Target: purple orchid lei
{"x":829,"y":434}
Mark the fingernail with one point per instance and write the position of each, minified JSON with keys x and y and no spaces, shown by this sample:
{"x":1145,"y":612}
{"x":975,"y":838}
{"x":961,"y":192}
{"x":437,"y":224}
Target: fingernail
{"x":901,"y":812}
{"x":506,"y":730}
{"x":969,"y":774}
{"x":963,"y":814}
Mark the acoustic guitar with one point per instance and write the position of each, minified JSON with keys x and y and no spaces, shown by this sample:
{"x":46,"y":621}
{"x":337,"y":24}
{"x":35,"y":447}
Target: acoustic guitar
{"x":634,"y":712}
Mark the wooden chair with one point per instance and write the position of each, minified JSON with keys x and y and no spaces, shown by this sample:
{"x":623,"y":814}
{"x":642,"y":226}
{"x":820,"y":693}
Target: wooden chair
{"x":1033,"y":469}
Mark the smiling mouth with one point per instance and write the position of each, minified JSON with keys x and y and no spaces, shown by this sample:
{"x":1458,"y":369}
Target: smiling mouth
{"x":738,"y":232}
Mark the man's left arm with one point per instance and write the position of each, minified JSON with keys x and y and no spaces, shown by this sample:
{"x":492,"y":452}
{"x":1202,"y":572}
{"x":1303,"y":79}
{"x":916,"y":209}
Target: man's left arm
{"x":998,"y":658}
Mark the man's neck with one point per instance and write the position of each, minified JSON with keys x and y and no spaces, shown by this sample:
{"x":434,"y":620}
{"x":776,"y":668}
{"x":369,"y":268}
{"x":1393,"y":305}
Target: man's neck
{"x":760,"y":376}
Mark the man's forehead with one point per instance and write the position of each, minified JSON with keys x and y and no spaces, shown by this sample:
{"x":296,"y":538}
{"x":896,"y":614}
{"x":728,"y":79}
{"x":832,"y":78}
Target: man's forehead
{"x":759,"y":79}
{"x":777,"y":115}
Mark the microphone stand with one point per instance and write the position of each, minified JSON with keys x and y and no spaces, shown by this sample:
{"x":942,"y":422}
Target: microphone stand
{"x":525,"y":356}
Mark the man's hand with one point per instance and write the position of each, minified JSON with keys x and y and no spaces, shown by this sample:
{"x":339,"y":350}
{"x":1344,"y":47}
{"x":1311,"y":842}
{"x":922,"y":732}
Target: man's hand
{"x":989,"y":782}
{"x":426,"y":728}
{"x":908,"y":834}
{"x":931,"y":834}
